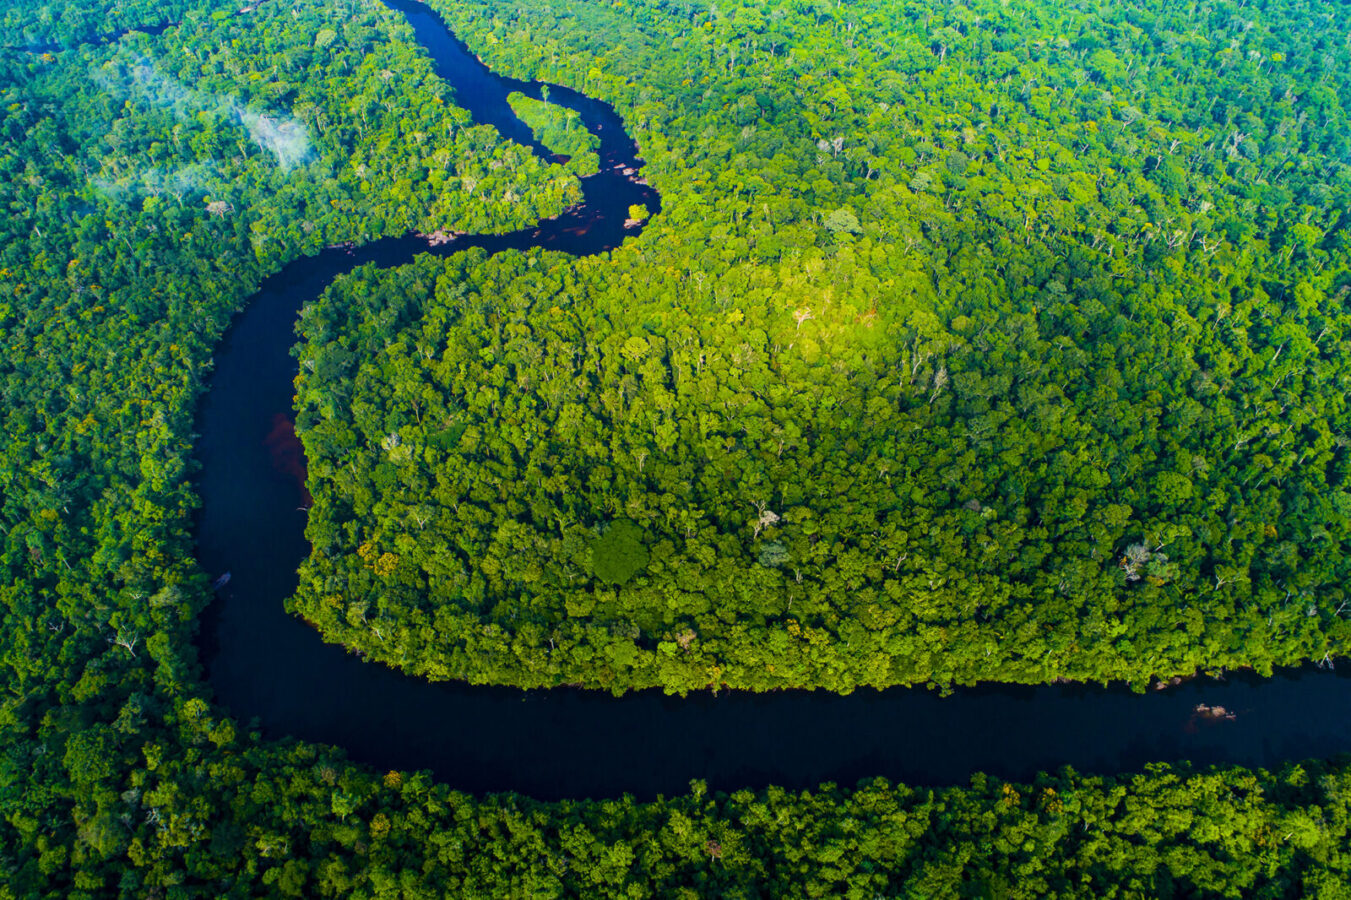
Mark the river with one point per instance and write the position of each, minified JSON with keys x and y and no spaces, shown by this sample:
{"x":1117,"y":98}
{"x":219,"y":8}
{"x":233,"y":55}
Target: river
{"x":274,"y":669}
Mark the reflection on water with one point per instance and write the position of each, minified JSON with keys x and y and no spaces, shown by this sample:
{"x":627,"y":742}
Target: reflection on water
{"x":287,"y":453}
{"x":272,"y":668}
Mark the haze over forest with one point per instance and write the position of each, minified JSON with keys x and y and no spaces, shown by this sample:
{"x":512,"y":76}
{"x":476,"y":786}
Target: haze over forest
{"x":942,"y":346}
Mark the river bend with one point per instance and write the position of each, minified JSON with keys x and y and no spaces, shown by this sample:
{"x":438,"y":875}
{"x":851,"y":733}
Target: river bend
{"x":274,"y":669}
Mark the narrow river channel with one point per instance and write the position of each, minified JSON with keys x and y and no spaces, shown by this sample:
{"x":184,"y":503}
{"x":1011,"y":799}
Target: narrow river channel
{"x":267,"y":666}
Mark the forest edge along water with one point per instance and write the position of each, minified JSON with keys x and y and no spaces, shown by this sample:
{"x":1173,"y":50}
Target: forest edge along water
{"x":268,"y":666}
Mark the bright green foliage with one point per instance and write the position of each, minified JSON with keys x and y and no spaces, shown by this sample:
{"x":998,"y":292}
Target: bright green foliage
{"x":977,"y":343}
{"x":148,"y":185}
{"x":561,"y":130}
{"x":1078,"y":355}
{"x":25,"y":23}
{"x":144,"y":203}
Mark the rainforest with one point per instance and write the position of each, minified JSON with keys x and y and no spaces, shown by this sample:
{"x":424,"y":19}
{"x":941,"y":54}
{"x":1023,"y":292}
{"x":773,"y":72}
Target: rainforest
{"x":770,"y":355}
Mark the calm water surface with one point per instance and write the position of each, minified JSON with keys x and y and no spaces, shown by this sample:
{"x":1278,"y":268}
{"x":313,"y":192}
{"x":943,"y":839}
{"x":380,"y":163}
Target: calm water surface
{"x":267,"y":666}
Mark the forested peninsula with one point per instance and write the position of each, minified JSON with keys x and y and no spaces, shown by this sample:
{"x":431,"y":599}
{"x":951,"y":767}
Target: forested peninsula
{"x":989,"y":345}
{"x":975,"y":342}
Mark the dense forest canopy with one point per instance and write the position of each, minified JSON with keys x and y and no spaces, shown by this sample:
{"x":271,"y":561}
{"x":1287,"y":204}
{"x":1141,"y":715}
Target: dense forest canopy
{"x":981,"y":342}
{"x":960,"y":242}
{"x":559,"y":129}
{"x":26,"y":24}
{"x":149,"y":185}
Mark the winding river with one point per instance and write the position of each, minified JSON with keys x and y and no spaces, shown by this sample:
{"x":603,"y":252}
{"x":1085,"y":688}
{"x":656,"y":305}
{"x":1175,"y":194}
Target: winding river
{"x":269,"y":667}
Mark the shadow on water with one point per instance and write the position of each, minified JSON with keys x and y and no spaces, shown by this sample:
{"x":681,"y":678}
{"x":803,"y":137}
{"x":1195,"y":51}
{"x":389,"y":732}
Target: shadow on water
{"x":266,"y":665}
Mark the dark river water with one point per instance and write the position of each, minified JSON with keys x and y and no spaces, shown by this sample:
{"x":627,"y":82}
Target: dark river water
{"x":267,"y":666}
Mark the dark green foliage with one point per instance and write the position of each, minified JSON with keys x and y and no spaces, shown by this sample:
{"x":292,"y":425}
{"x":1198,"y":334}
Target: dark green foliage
{"x":141,"y":211}
{"x":1076,"y":353}
{"x":246,"y":820}
{"x":618,"y":553}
